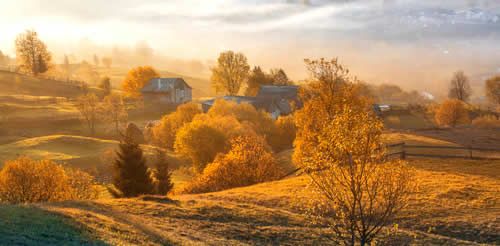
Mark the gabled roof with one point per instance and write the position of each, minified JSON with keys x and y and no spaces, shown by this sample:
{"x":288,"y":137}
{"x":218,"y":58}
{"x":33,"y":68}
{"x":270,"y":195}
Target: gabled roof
{"x":278,"y":91}
{"x":153,"y":84}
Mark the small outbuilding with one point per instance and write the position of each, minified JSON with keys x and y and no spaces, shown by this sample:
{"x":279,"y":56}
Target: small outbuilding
{"x":167,"y":91}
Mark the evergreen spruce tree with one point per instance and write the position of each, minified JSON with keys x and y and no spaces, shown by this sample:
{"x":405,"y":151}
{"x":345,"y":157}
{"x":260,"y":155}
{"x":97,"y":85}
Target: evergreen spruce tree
{"x":130,"y":173}
{"x":163,"y":174}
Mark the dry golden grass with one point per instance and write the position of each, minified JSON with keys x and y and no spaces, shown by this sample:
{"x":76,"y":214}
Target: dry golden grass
{"x":457,"y":204}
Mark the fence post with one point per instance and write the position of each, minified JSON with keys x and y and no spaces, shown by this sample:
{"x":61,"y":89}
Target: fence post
{"x":470,"y":151}
{"x":403,"y":153}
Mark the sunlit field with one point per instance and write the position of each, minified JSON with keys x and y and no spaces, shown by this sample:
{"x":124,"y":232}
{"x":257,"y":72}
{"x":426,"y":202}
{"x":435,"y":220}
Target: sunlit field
{"x":279,"y":122}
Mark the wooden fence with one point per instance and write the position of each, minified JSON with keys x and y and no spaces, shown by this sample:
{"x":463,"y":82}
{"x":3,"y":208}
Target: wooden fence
{"x":404,"y":153}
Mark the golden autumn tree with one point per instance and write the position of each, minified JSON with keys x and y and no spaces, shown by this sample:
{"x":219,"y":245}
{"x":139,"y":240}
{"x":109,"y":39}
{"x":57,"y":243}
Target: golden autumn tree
{"x":452,"y":112}
{"x":136,"y":79}
{"x":165,"y":133}
{"x":339,"y":146}
{"x":492,"y":89}
{"x":113,"y":111}
{"x":248,"y":162}
{"x":230,"y":73}
{"x":31,"y":53}
{"x":89,"y":108}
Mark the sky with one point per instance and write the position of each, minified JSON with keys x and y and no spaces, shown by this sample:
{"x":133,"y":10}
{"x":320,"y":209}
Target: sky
{"x":415,"y":43}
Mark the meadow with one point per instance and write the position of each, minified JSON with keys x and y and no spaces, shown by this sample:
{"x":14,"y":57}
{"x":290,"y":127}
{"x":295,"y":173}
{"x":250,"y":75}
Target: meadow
{"x":457,"y":203}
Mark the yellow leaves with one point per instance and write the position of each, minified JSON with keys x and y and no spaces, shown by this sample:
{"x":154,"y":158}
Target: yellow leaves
{"x":165,"y":133}
{"x":452,"y":113}
{"x":231,"y":72}
{"x":25,"y":180}
{"x":136,"y":79}
{"x":246,"y":163}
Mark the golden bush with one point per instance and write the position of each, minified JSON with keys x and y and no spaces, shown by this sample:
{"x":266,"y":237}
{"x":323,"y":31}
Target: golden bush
{"x":245,"y":164}
{"x":164,"y":134}
{"x":25,"y":180}
{"x":199,"y":142}
{"x":284,"y":133}
{"x":452,"y":112}
{"x":136,"y":79}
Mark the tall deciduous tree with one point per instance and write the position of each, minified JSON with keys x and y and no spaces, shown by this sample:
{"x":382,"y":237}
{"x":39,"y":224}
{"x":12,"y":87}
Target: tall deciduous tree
{"x":105,"y":85}
{"x":130,"y":174}
{"x":96,"y":60}
{"x":107,"y":61}
{"x":257,"y":79}
{"x":67,"y":67}
{"x":31,"y":53}
{"x":492,"y":89}
{"x":136,"y":79}
{"x":459,"y":87}
{"x":88,"y":106}
{"x":114,"y":112}
{"x":279,"y":77}
{"x":339,"y":145}
{"x":230,"y":73}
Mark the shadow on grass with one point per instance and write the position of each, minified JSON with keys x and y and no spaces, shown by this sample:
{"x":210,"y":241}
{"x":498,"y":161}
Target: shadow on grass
{"x":28,"y":225}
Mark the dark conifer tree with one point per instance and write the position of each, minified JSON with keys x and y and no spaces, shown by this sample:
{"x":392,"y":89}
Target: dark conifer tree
{"x":163,"y":174}
{"x":130,"y":173}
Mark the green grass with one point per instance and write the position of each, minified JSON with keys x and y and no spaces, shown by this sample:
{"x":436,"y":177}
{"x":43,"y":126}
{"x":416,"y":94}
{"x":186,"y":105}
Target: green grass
{"x":30,"y":225}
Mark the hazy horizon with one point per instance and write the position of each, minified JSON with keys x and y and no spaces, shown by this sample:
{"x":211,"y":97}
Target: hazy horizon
{"x":415,"y":44}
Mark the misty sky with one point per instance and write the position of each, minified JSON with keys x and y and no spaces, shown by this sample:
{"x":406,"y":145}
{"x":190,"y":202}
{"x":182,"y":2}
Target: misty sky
{"x":417,"y":43}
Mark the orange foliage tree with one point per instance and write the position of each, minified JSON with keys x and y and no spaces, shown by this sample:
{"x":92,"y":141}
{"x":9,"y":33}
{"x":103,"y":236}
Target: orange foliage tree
{"x":136,"y":79}
{"x":25,"y":180}
{"x":452,"y":112}
{"x":165,"y":133}
{"x":245,"y":164}
{"x":339,"y":146}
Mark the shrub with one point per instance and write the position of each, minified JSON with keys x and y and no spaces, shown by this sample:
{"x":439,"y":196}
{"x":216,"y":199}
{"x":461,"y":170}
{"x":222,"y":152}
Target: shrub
{"x":247,"y":163}
{"x":486,"y":121}
{"x":452,"y":113}
{"x":165,"y":133}
{"x":26,"y":180}
{"x":284,"y":134}
{"x":199,"y":142}
{"x":130,"y":173}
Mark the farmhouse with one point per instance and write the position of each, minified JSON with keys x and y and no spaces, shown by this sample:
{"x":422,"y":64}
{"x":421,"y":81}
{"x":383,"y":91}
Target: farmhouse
{"x":276,"y":100}
{"x":167,"y":91}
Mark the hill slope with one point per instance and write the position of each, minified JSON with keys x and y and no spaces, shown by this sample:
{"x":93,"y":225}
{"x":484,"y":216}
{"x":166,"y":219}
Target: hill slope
{"x":457,"y":205}
{"x":18,"y":84}
{"x":76,"y":151}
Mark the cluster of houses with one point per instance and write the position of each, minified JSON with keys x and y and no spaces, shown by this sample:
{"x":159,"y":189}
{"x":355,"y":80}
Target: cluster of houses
{"x":276,"y":100}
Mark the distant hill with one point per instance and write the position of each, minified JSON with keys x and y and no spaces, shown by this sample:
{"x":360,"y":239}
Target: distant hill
{"x":18,"y":84}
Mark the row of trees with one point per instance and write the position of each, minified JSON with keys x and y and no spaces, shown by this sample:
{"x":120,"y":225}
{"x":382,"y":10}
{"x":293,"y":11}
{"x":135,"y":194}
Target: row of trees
{"x":233,"y":72}
{"x":112,"y":110}
{"x":460,"y":88}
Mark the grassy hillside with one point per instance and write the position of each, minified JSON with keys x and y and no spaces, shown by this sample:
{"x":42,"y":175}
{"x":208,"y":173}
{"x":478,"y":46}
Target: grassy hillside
{"x":18,"y":84}
{"x":76,"y":151}
{"x":457,"y":204}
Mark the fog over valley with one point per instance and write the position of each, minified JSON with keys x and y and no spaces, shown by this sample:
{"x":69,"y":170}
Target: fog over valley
{"x":415,"y":44}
